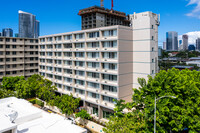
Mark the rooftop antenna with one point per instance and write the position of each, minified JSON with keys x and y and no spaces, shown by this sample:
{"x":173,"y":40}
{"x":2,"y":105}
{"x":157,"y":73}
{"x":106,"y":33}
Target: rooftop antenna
{"x":102,"y":4}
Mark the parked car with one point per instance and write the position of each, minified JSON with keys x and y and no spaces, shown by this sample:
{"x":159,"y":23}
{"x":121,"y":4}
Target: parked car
{"x":72,"y":119}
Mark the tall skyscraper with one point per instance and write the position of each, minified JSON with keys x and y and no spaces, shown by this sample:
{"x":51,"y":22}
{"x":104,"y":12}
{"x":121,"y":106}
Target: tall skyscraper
{"x":28,"y":25}
{"x":164,"y":46}
{"x":172,"y":41}
{"x":198,"y":44}
{"x":185,"y":42}
{"x":7,"y":32}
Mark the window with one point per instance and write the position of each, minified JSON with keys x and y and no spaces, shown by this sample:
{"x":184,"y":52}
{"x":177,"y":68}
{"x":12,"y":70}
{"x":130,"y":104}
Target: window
{"x":14,"y":46}
{"x":14,"y":53}
{"x":42,"y":40}
{"x":31,"y":41}
{"x":68,"y":63}
{"x":93,"y":35}
{"x":33,"y":59}
{"x":93,"y":64}
{"x":69,"y":45}
{"x":109,"y":66}
{"x":1,"y":66}
{"x":14,"y":72}
{"x":31,"y":47}
{"x":7,"y":46}
{"x":107,"y":114}
{"x":7,"y":66}
{"x":7,"y":40}
{"x":79,"y":63}
{"x":36,"y":41}
{"x":79,"y":82}
{"x":93,"y":45}
{"x":80,"y":54}
{"x":109,"y":88}
{"x":14,"y":66}
{"x":7,"y":59}
{"x":93,"y":85}
{"x":14,"y":40}
{"x":152,"y":38}
{"x":58,"y":69}
{"x":67,"y":88}
{"x":152,"y":60}
{"x":14,"y":59}
{"x":152,"y":27}
{"x":1,"y":40}
{"x":152,"y":48}
{"x":48,"y":47}
{"x":1,"y":46}
{"x":1,"y":52}
{"x":31,"y":53}
{"x":58,"y":77}
{"x":68,"y":71}
{"x":58,"y":46}
{"x":59,"y":54}
{"x":92,"y":75}
{"x":110,"y":44}
{"x":69,"y":80}
{"x":110,"y":33}
{"x":93,"y":54}
{"x":68,"y":54}
{"x":58,"y":38}
{"x":49,"y":39}
{"x":152,"y":71}
{"x":80,"y":73}
{"x":108,"y":99}
{"x":79,"y":91}
{"x":79,"y":45}
{"x":109,"y":55}
{"x":49,"y":68}
{"x":109,"y":77}
{"x":59,"y":62}
{"x":93,"y":95}
{"x":68,"y":37}
{"x":1,"y":59}
{"x":79,"y":36}
{"x":7,"y":73}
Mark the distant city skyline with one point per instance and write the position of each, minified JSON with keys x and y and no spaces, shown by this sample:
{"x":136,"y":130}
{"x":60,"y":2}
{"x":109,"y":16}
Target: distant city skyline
{"x":64,"y":18}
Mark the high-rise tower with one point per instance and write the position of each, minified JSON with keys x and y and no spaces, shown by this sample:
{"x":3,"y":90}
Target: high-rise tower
{"x":28,"y":25}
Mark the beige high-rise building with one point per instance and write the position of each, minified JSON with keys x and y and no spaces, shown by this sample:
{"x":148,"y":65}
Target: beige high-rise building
{"x":101,"y":64}
{"x":18,"y":57}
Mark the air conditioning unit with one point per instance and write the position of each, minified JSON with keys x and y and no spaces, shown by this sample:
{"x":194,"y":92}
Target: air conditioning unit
{"x":105,"y":92}
{"x":96,"y":38}
{"x":77,"y":95}
{"x":76,"y":85}
{"x":76,"y":67}
{"x":105,"y":60}
{"x":70,"y":58}
{"x":105,"y":81}
{"x":77,"y":58}
{"x":96,"y":90}
{"x":96,"y":49}
{"x":105,"y":70}
{"x":70,"y":75}
{"x":96,"y":69}
{"x":105,"y":49}
{"x":96,"y":101}
{"x":96,"y":59}
{"x":97,"y":80}
{"x":106,"y":104}
{"x":105,"y":38}
{"x":76,"y":76}
{"x":70,"y":84}
{"x":76,"y":49}
{"x":70,"y":49}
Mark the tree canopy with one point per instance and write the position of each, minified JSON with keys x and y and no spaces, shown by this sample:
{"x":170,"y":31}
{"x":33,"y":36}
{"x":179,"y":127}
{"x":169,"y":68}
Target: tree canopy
{"x":173,"y":115}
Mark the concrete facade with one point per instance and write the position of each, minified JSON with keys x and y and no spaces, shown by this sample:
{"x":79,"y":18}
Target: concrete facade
{"x":185,"y":42}
{"x":101,"y":64}
{"x":18,"y":57}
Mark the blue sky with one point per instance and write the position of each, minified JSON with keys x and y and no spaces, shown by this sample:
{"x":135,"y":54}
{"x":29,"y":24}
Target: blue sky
{"x":58,"y":16}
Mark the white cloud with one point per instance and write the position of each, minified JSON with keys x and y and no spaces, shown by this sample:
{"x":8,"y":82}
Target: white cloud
{"x":196,"y":11}
{"x":192,"y":36}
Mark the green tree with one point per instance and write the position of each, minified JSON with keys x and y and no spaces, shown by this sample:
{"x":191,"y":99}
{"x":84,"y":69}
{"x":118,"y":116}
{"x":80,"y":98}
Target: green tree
{"x":67,"y":104}
{"x":172,"y":114}
{"x":83,"y":115}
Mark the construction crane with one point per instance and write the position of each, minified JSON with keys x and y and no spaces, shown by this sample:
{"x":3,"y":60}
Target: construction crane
{"x":102,"y":4}
{"x":112,"y":5}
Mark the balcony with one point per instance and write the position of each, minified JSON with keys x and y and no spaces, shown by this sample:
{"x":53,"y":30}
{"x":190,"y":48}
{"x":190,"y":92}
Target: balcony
{"x":109,"y":82}
{"x":82,"y":96}
{"x":93,"y":100}
{"x":80,"y":67}
{"x":108,"y":93}
{"x":108,"y":104}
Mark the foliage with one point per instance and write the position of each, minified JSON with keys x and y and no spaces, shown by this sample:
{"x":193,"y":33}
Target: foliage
{"x":188,"y":54}
{"x":36,"y":101}
{"x":67,"y":104}
{"x":83,"y":114}
{"x":173,"y":115}
{"x":9,"y":82}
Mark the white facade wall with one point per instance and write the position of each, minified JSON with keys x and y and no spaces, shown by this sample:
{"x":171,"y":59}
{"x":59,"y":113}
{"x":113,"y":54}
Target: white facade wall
{"x":145,"y":45}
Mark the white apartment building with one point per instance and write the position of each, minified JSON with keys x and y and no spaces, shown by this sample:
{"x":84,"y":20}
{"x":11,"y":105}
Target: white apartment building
{"x":101,"y":64}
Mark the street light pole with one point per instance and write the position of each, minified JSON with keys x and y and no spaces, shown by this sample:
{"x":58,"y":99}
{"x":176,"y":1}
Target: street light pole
{"x":155,"y":110}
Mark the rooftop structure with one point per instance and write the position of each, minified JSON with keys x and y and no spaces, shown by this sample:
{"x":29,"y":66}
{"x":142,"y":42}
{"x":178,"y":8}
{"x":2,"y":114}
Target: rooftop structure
{"x":183,"y":67}
{"x":19,"y":116}
{"x":94,"y":17}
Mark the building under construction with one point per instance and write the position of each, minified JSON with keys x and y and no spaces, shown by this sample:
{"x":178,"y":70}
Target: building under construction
{"x":95,"y":16}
